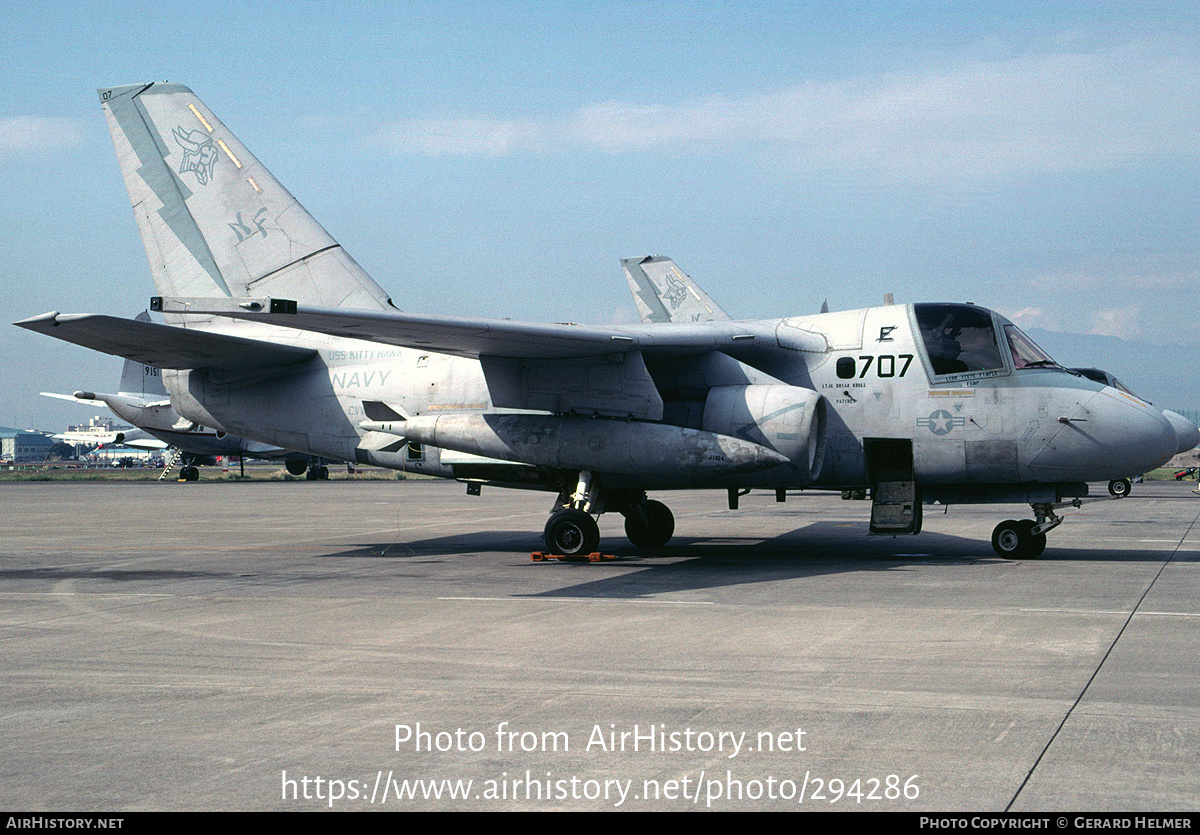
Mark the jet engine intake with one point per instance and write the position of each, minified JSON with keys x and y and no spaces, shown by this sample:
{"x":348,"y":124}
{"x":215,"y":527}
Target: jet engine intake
{"x":787,"y":419}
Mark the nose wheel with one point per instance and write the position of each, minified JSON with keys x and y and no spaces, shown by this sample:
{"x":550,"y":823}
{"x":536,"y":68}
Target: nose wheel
{"x":1120,"y":487}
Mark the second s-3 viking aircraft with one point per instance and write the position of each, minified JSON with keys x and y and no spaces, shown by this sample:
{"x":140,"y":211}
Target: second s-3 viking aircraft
{"x":274,"y":333}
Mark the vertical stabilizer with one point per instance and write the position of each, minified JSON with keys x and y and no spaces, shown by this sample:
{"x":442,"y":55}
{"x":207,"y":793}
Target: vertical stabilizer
{"x":144,"y":381}
{"x":214,"y":221}
{"x":663,"y":293}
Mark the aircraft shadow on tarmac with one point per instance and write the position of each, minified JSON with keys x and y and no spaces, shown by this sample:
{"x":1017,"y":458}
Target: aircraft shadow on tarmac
{"x":690,"y":563}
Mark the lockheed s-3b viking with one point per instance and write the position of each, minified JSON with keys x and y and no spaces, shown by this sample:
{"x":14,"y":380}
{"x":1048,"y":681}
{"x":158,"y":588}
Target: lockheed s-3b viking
{"x":274,"y":333}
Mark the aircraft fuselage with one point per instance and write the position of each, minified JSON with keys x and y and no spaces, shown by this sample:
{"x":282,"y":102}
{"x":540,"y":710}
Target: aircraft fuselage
{"x":970,"y":425}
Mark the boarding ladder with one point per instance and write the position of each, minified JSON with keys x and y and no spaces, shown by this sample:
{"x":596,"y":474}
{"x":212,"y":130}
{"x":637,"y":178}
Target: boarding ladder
{"x":169,"y":464}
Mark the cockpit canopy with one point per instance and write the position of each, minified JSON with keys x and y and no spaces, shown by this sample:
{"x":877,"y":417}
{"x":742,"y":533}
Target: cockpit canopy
{"x":1103,"y":377}
{"x":962,"y":339}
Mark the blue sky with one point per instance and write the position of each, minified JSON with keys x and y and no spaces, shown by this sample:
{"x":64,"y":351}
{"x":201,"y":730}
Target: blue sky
{"x":497,"y":159}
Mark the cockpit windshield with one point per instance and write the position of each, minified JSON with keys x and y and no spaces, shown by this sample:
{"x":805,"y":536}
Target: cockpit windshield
{"x":1104,"y":378}
{"x":959,"y":338}
{"x":1025,"y":352}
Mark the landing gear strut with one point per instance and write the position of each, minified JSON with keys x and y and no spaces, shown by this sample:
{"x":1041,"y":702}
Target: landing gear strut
{"x":571,"y":531}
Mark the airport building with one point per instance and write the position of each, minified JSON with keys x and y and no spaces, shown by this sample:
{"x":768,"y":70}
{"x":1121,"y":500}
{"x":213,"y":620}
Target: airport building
{"x":100,"y":428}
{"x":19,"y":446}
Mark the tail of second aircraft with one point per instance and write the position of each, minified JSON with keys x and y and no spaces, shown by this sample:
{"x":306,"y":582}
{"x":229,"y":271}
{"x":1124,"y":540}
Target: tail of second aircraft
{"x":214,"y":221}
{"x":664,"y":293}
{"x":141,"y":380}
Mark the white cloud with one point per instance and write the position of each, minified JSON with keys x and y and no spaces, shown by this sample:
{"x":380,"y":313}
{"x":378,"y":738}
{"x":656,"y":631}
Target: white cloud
{"x":1125,"y":322}
{"x":35,"y":133}
{"x":1031,"y":317}
{"x":1049,"y":112}
{"x":459,"y":137}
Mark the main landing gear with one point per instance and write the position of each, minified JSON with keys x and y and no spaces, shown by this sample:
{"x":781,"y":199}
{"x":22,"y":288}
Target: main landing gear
{"x":188,"y":472}
{"x":1025,"y":539}
{"x":649,"y":524}
{"x":311,"y":469}
{"x":573,"y":531}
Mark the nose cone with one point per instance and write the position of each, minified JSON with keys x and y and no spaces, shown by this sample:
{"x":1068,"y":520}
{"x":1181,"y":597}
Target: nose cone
{"x":1187,"y":436}
{"x":1110,"y":436}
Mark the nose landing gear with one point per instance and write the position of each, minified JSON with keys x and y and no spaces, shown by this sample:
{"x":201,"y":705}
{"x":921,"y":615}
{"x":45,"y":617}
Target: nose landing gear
{"x":1120,"y":487}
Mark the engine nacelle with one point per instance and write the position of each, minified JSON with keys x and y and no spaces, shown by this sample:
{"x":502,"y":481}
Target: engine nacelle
{"x":787,"y":419}
{"x":633,"y":448}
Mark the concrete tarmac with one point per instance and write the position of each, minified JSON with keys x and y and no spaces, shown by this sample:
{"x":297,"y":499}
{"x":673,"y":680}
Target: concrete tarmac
{"x":391,"y":645}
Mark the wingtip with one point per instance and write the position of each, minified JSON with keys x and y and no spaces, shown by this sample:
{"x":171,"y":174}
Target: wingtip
{"x":34,"y":321}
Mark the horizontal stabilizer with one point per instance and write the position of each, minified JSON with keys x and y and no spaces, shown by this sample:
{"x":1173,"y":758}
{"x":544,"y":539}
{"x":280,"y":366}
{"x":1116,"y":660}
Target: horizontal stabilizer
{"x":91,"y":398}
{"x":164,"y":346}
{"x":87,"y":398}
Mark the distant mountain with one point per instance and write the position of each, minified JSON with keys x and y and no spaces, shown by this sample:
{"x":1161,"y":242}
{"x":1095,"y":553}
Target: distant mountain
{"x":1166,"y":375}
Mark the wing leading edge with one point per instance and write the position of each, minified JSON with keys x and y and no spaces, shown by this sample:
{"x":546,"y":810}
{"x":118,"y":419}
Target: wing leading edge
{"x":506,"y":338}
{"x":551,"y":367}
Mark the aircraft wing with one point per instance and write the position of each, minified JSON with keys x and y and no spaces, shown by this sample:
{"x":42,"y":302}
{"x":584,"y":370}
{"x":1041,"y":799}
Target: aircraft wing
{"x":476,"y":338}
{"x":165,"y":346}
{"x":100,"y":438}
{"x":546,"y":367}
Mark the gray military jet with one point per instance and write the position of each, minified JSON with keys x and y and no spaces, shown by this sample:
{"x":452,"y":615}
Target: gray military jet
{"x":273,"y":332}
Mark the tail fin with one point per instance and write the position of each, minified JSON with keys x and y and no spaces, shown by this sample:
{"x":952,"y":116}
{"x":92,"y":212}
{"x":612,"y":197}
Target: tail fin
{"x":144,"y":381}
{"x":663,"y":293}
{"x":214,"y":221}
